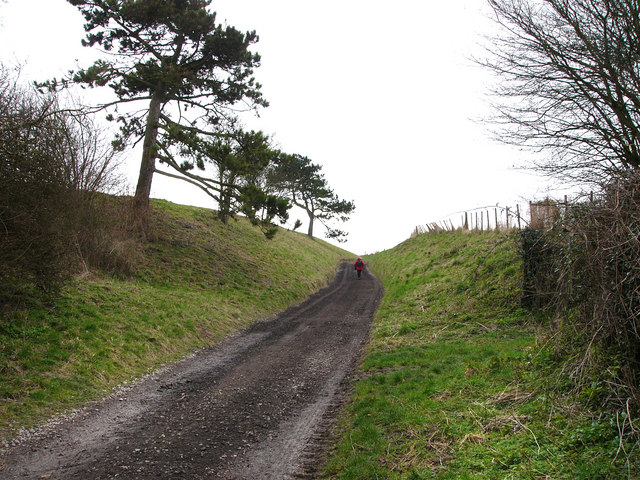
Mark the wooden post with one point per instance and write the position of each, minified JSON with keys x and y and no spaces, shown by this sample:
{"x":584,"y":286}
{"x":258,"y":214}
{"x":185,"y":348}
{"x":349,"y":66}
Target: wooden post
{"x":466,"y":220}
{"x":495,"y":211}
{"x":518,"y":210}
{"x":507,"y":218}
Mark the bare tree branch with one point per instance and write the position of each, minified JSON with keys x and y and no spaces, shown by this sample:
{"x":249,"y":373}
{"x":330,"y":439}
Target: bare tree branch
{"x":569,"y":73}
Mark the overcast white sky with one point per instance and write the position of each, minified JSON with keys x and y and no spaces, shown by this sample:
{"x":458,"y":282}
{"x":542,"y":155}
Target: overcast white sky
{"x":381,"y":94}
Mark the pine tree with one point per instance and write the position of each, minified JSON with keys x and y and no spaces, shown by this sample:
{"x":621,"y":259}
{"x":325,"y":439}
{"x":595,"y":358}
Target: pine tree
{"x":185,"y":70}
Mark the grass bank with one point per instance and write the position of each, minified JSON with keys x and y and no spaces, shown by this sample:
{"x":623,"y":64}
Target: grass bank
{"x":194,"y":281}
{"x":458,"y":382}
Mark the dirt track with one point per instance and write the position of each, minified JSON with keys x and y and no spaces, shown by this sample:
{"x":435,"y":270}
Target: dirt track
{"x":257,"y":406}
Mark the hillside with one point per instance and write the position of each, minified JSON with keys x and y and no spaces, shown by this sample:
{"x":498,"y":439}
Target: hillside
{"x":193,"y":281}
{"x":460,"y":383}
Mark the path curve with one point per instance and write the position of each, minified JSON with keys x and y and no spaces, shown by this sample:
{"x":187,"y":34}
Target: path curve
{"x":259,"y":405}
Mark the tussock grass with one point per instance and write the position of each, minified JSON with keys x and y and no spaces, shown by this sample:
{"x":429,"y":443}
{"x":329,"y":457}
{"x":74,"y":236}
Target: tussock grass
{"x":194,"y":281}
{"x":453,"y":385}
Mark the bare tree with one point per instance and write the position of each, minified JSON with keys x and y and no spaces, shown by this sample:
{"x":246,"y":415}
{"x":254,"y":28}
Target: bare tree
{"x":569,"y":83}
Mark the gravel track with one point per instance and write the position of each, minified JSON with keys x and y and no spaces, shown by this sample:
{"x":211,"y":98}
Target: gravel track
{"x":259,"y":405}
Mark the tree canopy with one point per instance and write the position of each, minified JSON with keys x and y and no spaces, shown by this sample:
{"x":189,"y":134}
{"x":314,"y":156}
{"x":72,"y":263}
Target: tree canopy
{"x":176,"y":74}
{"x":240,"y":159}
{"x":570,"y":83}
{"x":303,"y":183}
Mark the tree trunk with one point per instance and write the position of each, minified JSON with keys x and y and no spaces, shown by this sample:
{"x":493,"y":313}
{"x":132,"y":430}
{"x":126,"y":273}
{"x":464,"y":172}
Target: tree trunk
{"x":148,"y":162}
{"x":311,"y":217}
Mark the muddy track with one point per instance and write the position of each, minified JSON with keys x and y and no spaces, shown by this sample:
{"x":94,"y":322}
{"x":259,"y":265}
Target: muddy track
{"x":259,"y":405}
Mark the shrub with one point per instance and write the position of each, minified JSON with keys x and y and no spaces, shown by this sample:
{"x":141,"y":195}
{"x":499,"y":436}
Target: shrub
{"x":591,"y":257}
{"x":52,"y":162}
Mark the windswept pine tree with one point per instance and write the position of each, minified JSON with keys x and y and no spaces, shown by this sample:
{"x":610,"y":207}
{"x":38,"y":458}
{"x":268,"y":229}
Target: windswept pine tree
{"x":304,"y":184}
{"x":175,"y":74}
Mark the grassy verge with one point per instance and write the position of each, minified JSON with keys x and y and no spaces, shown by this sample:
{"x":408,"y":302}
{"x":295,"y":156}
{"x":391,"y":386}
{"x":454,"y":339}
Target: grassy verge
{"x":194,"y":282}
{"x":456,"y":385}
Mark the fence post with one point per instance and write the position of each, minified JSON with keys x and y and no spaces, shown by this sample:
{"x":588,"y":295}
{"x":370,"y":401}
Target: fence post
{"x":507,"y":218}
{"x":518,"y":210}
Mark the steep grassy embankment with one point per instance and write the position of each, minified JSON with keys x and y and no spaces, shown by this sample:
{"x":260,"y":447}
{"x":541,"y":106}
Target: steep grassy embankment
{"x":194,"y":282}
{"x":455,"y":383}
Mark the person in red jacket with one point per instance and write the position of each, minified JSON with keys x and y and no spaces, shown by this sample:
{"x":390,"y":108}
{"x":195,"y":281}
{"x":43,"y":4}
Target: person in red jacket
{"x":359,"y":266}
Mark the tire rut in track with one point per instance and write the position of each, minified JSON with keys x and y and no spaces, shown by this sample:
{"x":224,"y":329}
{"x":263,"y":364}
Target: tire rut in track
{"x":259,"y":405}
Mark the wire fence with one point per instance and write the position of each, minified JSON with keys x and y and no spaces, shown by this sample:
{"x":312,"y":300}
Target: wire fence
{"x":540,"y":214}
{"x":479,"y":219}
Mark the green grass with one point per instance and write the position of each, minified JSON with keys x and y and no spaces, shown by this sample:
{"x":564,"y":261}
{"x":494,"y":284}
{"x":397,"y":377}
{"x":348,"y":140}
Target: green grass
{"x":451,"y":385}
{"x":195,"y":281}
